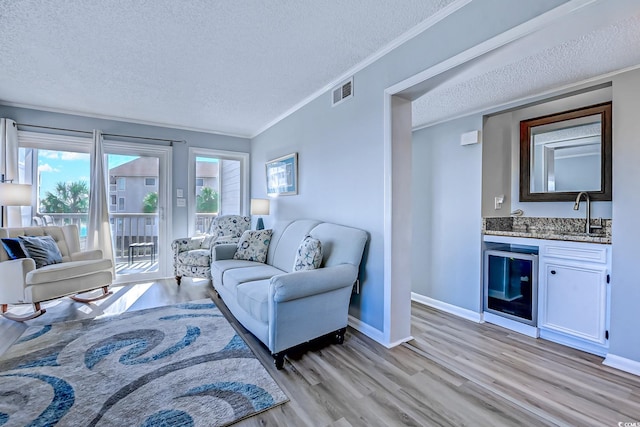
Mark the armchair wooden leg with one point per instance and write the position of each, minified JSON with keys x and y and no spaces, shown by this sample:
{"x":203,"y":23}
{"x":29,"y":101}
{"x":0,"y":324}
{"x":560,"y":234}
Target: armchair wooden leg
{"x":178,"y":279}
{"x":4,"y":308}
{"x":105,"y":293}
{"x":278,"y":359}
{"x":37,"y":311}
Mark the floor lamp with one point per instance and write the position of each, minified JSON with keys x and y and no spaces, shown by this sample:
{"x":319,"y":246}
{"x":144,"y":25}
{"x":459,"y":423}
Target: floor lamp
{"x":260,"y":207}
{"x":13,"y":195}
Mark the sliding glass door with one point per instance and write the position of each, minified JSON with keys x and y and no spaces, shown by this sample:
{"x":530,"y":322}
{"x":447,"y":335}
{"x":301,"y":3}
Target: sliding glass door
{"x":138,"y":194}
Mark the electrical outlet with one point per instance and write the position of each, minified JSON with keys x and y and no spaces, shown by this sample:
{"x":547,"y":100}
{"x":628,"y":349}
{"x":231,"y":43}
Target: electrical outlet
{"x":499,"y":200}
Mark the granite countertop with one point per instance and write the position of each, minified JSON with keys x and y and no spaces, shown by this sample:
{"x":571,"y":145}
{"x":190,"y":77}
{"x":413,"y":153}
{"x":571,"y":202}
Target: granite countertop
{"x":570,"y":229}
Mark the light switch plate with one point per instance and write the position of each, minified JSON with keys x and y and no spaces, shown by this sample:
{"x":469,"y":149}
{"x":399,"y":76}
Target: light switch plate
{"x":181,"y":203}
{"x":179,"y":192}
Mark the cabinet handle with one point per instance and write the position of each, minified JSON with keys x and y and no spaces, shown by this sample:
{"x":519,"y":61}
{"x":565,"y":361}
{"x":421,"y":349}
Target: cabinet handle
{"x":553,"y":272}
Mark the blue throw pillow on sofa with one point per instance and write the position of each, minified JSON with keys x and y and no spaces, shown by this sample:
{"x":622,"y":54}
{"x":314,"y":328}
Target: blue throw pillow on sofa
{"x":14,"y":248}
{"x":42,"y":249}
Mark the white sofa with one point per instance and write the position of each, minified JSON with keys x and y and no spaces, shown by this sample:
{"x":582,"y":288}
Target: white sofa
{"x":79,"y":271}
{"x":284,"y":308}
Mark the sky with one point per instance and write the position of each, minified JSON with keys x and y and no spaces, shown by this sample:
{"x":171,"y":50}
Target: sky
{"x":66,"y":166}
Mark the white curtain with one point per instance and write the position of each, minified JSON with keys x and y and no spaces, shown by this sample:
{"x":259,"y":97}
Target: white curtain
{"x":98,"y":227}
{"x":9,"y":166}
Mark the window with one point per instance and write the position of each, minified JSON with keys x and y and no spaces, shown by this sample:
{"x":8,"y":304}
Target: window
{"x":121,"y":182}
{"x":121,"y":204}
{"x":113,"y":200}
{"x":199,"y":182}
{"x":150,"y":182}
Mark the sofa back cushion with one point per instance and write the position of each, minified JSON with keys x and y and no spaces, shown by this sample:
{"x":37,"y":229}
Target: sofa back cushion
{"x":285,"y":242}
{"x":340,"y":244}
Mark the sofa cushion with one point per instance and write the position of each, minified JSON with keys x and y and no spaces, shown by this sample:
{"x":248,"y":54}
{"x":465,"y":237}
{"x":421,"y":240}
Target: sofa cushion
{"x":285,"y":243}
{"x":42,"y":249}
{"x":309,"y":255}
{"x":237,"y":276}
{"x":66,"y":270}
{"x":253,"y":298}
{"x":196,"y":257}
{"x":13,"y":247}
{"x":253,"y":245}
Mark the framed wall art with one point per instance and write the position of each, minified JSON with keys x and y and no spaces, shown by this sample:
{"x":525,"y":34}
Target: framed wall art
{"x":282,"y":175}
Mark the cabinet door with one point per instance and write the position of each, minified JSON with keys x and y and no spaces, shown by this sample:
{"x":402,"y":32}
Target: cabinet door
{"x":573,"y":300}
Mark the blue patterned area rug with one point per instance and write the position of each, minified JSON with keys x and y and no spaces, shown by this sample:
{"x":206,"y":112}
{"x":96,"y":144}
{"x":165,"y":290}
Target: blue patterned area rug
{"x":181,"y":365}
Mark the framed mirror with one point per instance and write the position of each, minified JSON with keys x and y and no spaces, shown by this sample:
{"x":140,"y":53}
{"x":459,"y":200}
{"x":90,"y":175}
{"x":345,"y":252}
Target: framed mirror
{"x":565,"y":153}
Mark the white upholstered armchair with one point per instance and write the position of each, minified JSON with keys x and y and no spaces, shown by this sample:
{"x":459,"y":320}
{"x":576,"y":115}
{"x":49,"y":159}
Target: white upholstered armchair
{"x":43,"y":263}
{"x":192,"y":255}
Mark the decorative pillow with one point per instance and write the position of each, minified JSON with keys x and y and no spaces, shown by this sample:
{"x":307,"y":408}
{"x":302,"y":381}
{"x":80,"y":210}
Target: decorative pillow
{"x":42,"y":249}
{"x":253,"y":245}
{"x":14,"y":248}
{"x":309,"y":255}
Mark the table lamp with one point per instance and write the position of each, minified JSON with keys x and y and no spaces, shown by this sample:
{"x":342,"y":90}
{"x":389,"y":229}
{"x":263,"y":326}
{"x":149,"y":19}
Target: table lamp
{"x":260,"y":207}
{"x":13,"y":195}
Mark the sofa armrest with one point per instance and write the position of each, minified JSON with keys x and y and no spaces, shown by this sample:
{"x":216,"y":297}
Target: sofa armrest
{"x":223,"y":251}
{"x":301,"y":284}
{"x":14,"y":274}
{"x":86,"y":255}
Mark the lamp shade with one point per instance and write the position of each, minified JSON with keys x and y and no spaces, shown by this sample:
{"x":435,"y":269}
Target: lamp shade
{"x":259,"y":206}
{"x":15,"y":194}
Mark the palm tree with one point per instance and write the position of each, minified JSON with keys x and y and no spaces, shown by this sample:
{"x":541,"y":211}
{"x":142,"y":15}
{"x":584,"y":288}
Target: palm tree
{"x":69,"y":197}
{"x":150,"y":203}
{"x":207,"y":201}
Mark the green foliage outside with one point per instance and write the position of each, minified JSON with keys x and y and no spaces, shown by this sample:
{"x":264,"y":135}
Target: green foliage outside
{"x":207,"y":201}
{"x":69,"y":197}
{"x":150,"y":203}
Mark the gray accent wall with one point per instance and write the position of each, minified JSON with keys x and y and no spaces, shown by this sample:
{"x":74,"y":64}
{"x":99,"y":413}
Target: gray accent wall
{"x":341,"y":149}
{"x":180,"y":150}
{"x":502,"y":136}
{"x":625,"y":280}
{"x":447,"y":217}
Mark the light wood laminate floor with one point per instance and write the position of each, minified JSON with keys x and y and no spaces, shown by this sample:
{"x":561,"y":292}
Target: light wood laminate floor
{"x":453,"y":373}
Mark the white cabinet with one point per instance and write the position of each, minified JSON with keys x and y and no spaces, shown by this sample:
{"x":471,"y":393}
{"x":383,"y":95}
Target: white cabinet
{"x":573,"y":295}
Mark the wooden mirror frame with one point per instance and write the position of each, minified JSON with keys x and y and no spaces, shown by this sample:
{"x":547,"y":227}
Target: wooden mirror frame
{"x":605,"y":193}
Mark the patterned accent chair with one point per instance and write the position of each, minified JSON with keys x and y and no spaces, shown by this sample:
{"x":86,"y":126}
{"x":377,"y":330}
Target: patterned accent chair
{"x":192,"y":255}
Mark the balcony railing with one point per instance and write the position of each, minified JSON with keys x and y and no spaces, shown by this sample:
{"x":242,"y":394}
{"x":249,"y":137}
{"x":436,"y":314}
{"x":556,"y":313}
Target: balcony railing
{"x":127,"y":228}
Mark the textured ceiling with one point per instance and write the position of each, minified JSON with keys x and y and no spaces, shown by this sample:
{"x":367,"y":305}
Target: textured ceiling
{"x":223,"y":66}
{"x":602,"y":39}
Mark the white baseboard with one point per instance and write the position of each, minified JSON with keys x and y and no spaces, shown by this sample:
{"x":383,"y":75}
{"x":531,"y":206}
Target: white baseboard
{"x":622,"y":363}
{"x":373,"y":333}
{"x":447,"y":308}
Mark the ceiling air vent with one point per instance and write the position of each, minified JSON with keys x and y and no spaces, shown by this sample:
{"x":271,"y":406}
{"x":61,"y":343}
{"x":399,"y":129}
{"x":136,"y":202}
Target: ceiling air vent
{"x":342,"y":92}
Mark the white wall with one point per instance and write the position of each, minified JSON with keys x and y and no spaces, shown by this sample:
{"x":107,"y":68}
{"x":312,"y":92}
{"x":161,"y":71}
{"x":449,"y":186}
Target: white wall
{"x":447,"y":188}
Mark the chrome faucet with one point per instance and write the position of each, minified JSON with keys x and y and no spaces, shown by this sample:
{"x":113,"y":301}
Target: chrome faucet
{"x":576,"y":206}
